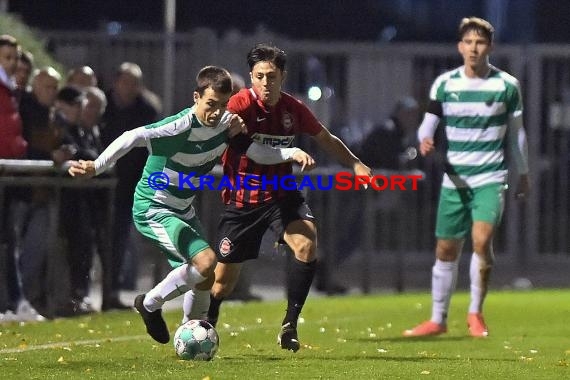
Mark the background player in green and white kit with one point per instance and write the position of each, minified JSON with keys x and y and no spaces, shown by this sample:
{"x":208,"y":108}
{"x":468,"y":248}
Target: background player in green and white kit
{"x":191,"y":141}
{"x":480,"y":107}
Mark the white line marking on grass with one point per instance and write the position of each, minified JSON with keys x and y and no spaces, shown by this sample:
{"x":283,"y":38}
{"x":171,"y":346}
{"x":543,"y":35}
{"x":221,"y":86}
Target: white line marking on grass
{"x":127,"y":338}
{"x":70,"y":344}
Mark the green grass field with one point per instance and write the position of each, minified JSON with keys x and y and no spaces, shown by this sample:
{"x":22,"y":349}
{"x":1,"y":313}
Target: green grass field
{"x":345,"y":337}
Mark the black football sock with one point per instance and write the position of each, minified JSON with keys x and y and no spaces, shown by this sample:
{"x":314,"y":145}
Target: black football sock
{"x":214,"y":310}
{"x":299,"y":279}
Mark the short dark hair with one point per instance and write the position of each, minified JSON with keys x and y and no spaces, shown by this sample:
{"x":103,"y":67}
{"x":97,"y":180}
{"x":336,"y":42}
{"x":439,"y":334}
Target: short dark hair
{"x":266,"y":53}
{"x":70,"y":95}
{"x":479,"y":25}
{"x":218,"y":78}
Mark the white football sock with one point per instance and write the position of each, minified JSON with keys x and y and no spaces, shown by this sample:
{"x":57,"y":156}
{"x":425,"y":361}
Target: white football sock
{"x":443,"y":279}
{"x":196,"y":304}
{"x":176,"y":283}
{"x":479,"y":275}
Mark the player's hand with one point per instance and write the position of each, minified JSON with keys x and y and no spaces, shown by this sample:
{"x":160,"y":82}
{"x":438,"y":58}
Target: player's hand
{"x":523,"y":187}
{"x":362,"y":170}
{"x":82,"y":169}
{"x":304,"y":160}
{"x":237,"y":126}
{"x":427,"y":146}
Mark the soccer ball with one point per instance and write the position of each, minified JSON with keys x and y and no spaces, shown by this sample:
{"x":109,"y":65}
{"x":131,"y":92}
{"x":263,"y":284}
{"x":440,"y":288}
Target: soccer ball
{"x":196,"y":340}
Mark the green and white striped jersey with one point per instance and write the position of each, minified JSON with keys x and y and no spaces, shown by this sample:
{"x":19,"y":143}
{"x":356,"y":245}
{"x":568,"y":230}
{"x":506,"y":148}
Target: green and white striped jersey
{"x":476,"y":113}
{"x":180,"y":144}
{"x":181,"y":150}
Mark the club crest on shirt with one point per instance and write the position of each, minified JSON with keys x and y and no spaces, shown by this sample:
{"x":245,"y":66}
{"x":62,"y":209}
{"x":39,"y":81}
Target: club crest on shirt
{"x":287,"y":120}
{"x":225,"y":246}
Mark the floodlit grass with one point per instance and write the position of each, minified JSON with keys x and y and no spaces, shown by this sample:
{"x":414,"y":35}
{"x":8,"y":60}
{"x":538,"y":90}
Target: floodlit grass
{"x":345,"y":337}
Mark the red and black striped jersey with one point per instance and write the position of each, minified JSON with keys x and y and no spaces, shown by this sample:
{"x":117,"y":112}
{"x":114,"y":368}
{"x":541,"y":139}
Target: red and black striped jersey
{"x":276,"y":126}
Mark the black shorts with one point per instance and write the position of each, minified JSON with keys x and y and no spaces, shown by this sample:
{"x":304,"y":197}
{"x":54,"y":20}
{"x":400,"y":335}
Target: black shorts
{"x":241,"y":229}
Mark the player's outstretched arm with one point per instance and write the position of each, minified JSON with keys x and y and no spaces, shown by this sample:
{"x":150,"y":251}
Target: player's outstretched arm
{"x":117,"y":149}
{"x":82,"y":169}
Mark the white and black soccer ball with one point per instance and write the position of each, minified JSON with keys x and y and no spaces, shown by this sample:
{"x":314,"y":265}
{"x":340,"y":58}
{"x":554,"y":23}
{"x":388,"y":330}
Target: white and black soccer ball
{"x":196,"y":340}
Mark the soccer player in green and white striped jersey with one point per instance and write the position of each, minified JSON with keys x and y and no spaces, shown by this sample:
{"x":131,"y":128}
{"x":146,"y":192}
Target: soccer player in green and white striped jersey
{"x":480,"y":108}
{"x":188,"y":143}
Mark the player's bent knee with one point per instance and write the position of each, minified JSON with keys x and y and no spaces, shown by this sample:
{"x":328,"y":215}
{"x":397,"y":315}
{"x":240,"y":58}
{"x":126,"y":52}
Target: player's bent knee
{"x":205,"y":263}
{"x":448,"y":250}
{"x":446,"y":254}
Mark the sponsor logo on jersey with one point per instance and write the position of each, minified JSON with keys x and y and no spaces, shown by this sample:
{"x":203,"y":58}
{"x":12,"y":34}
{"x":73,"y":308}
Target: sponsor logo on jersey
{"x":273,"y":140}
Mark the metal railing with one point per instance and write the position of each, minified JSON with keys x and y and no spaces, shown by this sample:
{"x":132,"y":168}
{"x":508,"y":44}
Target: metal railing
{"x":45,"y":174}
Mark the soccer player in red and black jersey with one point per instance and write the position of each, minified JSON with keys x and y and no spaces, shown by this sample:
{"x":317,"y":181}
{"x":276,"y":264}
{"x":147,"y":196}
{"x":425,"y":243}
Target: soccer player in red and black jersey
{"x":272,"y":117}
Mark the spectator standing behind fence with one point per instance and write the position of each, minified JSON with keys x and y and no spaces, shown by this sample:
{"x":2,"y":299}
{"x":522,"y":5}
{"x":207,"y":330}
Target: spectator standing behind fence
{"x":36,"y":109}
{"x":93,"y":225}
{"x":392,"y":143}
{"x":127,"y":109}
{"x":481,"y":110}
{"x":75,"y":211}
{"x":23,"y":73}
{"x":12,"y":145}
{"x":392,"y":146}
{"x":389,"y":145}
{"x":44,"y":136}
{"x":86,"y":138}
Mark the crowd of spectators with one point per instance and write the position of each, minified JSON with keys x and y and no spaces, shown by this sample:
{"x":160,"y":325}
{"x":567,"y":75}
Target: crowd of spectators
{"x":47,"y":115}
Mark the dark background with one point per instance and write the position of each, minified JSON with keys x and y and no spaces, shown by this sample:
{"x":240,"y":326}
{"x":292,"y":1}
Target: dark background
{"x":363,"y":20}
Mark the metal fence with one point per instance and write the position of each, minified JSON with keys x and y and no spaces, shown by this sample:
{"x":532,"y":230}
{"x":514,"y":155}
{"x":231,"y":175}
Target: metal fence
{"x":21,"y":175}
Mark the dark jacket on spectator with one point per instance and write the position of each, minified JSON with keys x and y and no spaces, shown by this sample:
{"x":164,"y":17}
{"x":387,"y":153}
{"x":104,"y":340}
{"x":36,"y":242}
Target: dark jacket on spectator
{"x":39,"y":130}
